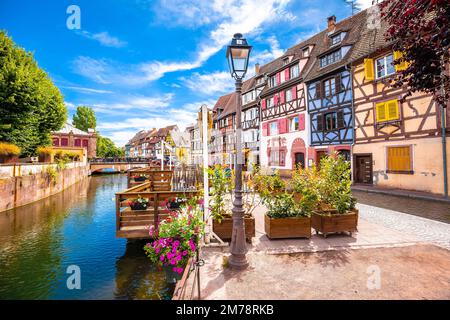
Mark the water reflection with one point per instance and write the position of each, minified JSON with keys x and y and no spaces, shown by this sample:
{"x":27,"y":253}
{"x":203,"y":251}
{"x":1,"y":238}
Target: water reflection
{"x":75,"y":227}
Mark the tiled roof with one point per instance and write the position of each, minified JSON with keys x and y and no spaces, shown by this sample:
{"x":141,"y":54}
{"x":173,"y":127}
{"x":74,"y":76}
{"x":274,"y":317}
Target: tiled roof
{"x":67,"y":128}
{"x":354,"y":26}
{"x":222,"y":101}
{"x":230,"y":107}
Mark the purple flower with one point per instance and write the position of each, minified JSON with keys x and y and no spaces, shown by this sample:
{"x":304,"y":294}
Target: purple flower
{"x":157,"y":249}
{"x":185,"y":253}
{"x":161,"y":257}
{"x":178,"y":258}
{"x":170,"y":255}
{"x":173,"y":262}
{"x":176,"y":243}
{"x":179,"y":270}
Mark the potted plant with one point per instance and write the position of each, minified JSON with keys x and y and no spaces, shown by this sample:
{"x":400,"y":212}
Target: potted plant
{"x":9,"y":153}
{"x":335,"y":212}
{"x":139,"y":178}
{"x":175,"y":203}
{"x":176,"y":240}
{"x":221,"y":188}
{"x":139,"y":204}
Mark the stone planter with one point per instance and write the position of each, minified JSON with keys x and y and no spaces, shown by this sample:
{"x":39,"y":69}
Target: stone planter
{"x":224,"y":229}
{"x":330,"y":221}
{"x":292,"y":227}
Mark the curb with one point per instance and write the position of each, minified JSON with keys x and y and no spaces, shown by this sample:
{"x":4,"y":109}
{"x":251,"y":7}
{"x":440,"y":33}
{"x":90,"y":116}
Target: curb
{"x":401,"y":194}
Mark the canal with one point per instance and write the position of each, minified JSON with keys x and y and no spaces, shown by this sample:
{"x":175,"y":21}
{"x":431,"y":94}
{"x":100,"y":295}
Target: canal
{"x":38,"y":242}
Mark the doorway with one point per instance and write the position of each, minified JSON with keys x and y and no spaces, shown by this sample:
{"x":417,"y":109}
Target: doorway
{"x":300,"y":160}
{"x":363,"y":168}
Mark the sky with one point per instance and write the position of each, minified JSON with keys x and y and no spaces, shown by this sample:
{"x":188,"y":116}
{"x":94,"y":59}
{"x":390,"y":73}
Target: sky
{"x":143,"y":64}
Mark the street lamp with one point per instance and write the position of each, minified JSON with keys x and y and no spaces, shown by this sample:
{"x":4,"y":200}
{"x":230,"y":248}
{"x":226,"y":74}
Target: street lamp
{"x":238,"y":53}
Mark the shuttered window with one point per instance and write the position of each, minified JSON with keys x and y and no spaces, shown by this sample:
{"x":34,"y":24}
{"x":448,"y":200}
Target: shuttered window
{"x":368,"y":69}
{"x":387,"y":111}
{"x":399,"y":159}
{"x":401,"y":66}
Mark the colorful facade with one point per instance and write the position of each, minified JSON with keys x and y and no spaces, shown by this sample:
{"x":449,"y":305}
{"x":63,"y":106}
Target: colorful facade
{"x":70,"y":137}
{"x":398,"y":141}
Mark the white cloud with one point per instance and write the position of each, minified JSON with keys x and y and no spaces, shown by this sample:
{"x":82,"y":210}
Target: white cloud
{"x":135,"y":103}
{"x":209,"y":83}
{"x":104,"y":38}
{"x":244,"y":16}
{"x":86,"y":90}
{"x":363,"y":4}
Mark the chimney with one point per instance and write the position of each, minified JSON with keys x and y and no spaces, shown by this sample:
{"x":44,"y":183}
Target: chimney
{"x":256,"y":68}
{"x":331,"y":23}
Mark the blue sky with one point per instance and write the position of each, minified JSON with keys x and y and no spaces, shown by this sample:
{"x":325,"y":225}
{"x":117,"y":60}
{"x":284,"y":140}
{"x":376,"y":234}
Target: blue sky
{"x":142,"y":64}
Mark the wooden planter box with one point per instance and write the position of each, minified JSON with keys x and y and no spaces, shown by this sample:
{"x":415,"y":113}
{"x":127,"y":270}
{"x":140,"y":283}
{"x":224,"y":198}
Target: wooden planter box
{"x":9,"y":159}
{"x":224,"y":229}
{"x":292,"y":227}
{"x":327,"y":223}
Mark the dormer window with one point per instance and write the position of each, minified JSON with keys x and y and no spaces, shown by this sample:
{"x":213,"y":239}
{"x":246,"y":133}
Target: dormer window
{"x":305,"y":52}
{"x":285,"y":61}
{"x":337,"y":38}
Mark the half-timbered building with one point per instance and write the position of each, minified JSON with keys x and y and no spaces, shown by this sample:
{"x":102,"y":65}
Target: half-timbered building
{"x":284,"y":138}
{"x":329,"y":89}
{"x":397,"y":137}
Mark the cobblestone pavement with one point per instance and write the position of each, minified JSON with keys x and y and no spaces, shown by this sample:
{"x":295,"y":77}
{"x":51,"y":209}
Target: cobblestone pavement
{"x":435,"y":210}
{"x":423,"y":229}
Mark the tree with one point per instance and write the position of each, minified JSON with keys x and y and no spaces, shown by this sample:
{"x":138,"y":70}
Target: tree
{"x":84,"y":118}
{"x":420,"y":30}
{"x":31,"y":106}
{"x":107,"y":148}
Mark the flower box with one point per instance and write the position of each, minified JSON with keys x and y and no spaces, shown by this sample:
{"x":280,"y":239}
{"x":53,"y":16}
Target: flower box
{"x":224,"y":229}
{"x":138,"y":206}
{"x":291,"y":227}
{"x":329,"y":221}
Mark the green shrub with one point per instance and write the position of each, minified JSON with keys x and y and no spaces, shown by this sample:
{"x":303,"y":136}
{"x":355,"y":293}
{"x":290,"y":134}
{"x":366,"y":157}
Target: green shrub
{"x":9,"y":149}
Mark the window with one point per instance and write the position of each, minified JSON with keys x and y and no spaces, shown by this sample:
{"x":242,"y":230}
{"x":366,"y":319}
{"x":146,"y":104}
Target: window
{"x":294,"y":72}
{"x":273,"y":81}
{"x":285,"y":61}
{"x":330,"y":58}
{"x":64,"y":142}
{"x":77,"y":142}
{"x":288,"y":95}
{"x":260,"y":80}
{"x":270,"y":102}
{"x":384,"y":66}
{"x":330,"y":121}
{"x":329,"y":87}
{"x":305,"y":52}
{"x":56,"y":142}
{"x":336,"y":39}
{"x":273,"y":129}
{"x":85,"y":143}
{"x":399,"y":159}
{"x":293,"y":124}
{"x":387,"y":111}
{"x":274,"y":158}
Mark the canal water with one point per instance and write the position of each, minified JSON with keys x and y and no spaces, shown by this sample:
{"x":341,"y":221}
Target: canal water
{"x":76,"y":227}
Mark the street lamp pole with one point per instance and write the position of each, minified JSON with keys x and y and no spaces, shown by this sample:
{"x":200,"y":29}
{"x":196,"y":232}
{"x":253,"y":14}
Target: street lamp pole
{"x":238,"y":53}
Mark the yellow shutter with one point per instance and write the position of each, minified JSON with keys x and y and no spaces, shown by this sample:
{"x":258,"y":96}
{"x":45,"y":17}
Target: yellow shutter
{"x":381,"y":111}
{"x":403,"y":65}
{"x":399,"y":159}
{"x":369,"y":72}
{"x":392,"y":110}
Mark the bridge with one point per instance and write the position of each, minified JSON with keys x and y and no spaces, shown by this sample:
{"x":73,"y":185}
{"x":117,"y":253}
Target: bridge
{"x":117,"y":164}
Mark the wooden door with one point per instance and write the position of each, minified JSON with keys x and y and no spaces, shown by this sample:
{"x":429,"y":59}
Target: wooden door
{"x":300,"y":160}
{"x":363,"y":169}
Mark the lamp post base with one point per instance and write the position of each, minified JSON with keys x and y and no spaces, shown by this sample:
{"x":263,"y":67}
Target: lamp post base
{"x":238,"y":261}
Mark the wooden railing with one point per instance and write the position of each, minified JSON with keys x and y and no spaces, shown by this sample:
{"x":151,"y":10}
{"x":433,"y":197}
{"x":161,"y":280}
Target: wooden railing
{"x":135,"y":223}
{"x":161,"y":179}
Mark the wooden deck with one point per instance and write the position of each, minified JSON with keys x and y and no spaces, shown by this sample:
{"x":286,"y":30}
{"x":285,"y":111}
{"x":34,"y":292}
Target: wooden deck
{"x":134,"y":224}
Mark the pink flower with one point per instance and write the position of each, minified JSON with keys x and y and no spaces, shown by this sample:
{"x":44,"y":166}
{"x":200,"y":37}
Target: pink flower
{"x":178,"y":258}
{"x":176,"y":243}
{"x":173,"y":262}
{"x":157,"y":249}
{"x":170,"y":255}
{"x":185,"y":253}
{"x":161,"y":257}
{"x":179,"y":270}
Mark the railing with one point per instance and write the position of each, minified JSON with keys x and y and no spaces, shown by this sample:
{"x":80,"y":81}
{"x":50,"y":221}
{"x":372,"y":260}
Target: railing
{"x":187,"y":178}
{"x":160,"y":179}
{"x":119,"y":160}
{"x":189,"y":284}
{"x":135,"y":222}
